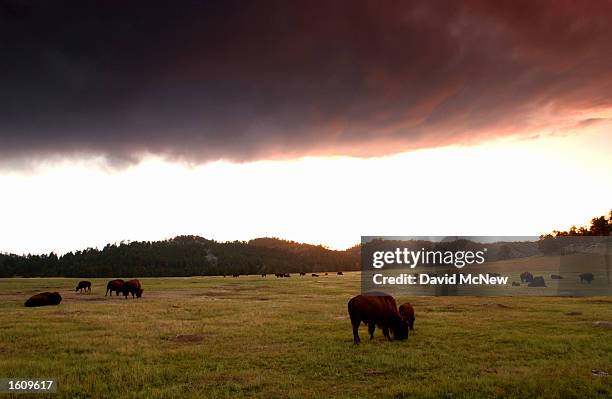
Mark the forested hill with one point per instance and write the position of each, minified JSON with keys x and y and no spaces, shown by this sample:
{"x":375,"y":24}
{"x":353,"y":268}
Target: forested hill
{"x":183,"y":256}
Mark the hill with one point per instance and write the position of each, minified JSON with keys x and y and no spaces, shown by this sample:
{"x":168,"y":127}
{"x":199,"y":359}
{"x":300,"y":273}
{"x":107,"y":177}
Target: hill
{"x":182,"y":256}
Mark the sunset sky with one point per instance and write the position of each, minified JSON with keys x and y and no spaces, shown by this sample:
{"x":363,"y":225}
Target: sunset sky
{"x":312,"y":121}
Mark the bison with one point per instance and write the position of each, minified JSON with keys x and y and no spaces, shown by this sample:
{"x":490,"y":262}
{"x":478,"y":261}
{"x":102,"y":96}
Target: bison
{"x":556,"y":277}
{"x":43,"y":299}
{"x":263,"y":274}
{"x":83,"y":285}
{"x":114,"y":285}
{"x":315,"y":275}
{"x":407,"y":312}
{"x":588,"y":277}
{"x":340,"y":274}
{"x":537,"y":282}
{"x":302,"y":274}
{"x":132,"y":287}
{"x":377,"y":310}
{"x":526,"y":277}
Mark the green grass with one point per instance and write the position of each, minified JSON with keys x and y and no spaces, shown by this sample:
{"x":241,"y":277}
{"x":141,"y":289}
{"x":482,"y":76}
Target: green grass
{"x":291,"y":338}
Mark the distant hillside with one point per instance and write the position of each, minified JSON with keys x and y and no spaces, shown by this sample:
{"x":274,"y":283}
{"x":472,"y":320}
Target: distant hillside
{"x":183,"y":256}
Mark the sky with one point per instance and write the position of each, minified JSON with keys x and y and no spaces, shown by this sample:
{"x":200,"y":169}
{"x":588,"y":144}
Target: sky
{"x":313,"y":121}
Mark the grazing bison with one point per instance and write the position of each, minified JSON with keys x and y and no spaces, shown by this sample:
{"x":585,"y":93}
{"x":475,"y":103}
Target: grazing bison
{"x":235,"y":275}
{"x":537,"y":282}
{"x":114,"y":285}
{"x":315,"y":275}
{"x":302,"y":274}
{"x":340,"y":274}
{"x":556,"y":277}
{"x":407,"y":312}
{"x":263,"y":274}
{"x":286,"y":275}
{"x":132,"y":287}
{"x":83,"y":285}
{"x":515,"y":284}
{"x":526,"y":277}
{"x":379,"y":310}
{"x":588,"y":277}
{"x":43,"y":299}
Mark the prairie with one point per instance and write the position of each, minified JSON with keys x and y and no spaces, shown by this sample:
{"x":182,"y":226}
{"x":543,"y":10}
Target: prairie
{"x":291,"y":338}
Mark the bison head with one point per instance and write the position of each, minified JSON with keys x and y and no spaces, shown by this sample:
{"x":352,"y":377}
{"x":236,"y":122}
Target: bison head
{"x":399,"y":328}
{"x":139,"y":293}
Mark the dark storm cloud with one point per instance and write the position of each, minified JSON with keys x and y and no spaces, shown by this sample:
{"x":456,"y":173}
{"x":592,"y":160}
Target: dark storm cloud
{"x":200,"y":81}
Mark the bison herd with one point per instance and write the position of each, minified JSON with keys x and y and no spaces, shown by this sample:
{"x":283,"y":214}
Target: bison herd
{"x":527,"y":277}
{"x":118,"y":286}
{"x":284,"y":275}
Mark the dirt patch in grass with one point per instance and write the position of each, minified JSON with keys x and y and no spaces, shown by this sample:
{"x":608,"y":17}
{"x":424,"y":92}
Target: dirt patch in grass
{"x":573,"y":313}
{"x":495,"y":305}
{"x":603,"y":324}
{"x":187,"y":338}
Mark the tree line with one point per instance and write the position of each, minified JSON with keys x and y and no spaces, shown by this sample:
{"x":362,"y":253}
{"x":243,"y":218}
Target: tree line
{"x":183,"y":256}
{"x":558,"y":241}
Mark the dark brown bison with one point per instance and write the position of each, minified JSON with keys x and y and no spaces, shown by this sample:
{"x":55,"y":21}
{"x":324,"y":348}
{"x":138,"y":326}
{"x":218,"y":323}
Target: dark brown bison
{"x":235,"y":275}
{"x":302,"y":274}
{"x":263,"y":274}
{"x":526,"y":277}
{"x":83,"y":285}
{"x":537,"y":282}
{"x":588,"y":277}
{"x":315,"y":275}
{"x":132,"y":287}
{"x":515,"y":284}
{"x":556,"y":277}
{"x":286,"y":275}
{"x":407,"y":312}
{"x":377,"y":310}
{"x":340,"y":274}
{"x":43,"y":299}
{"x":114,"y":285}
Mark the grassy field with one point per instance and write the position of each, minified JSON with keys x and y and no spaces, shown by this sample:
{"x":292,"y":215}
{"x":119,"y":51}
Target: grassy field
{"x":291,"y":338}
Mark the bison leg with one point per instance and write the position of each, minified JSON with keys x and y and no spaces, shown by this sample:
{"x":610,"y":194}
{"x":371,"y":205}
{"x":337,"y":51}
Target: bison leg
{"x":356,"y":324}
{"x":107,"y":292}
{"x":386,"y":332}
{"x":371,"y":328}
